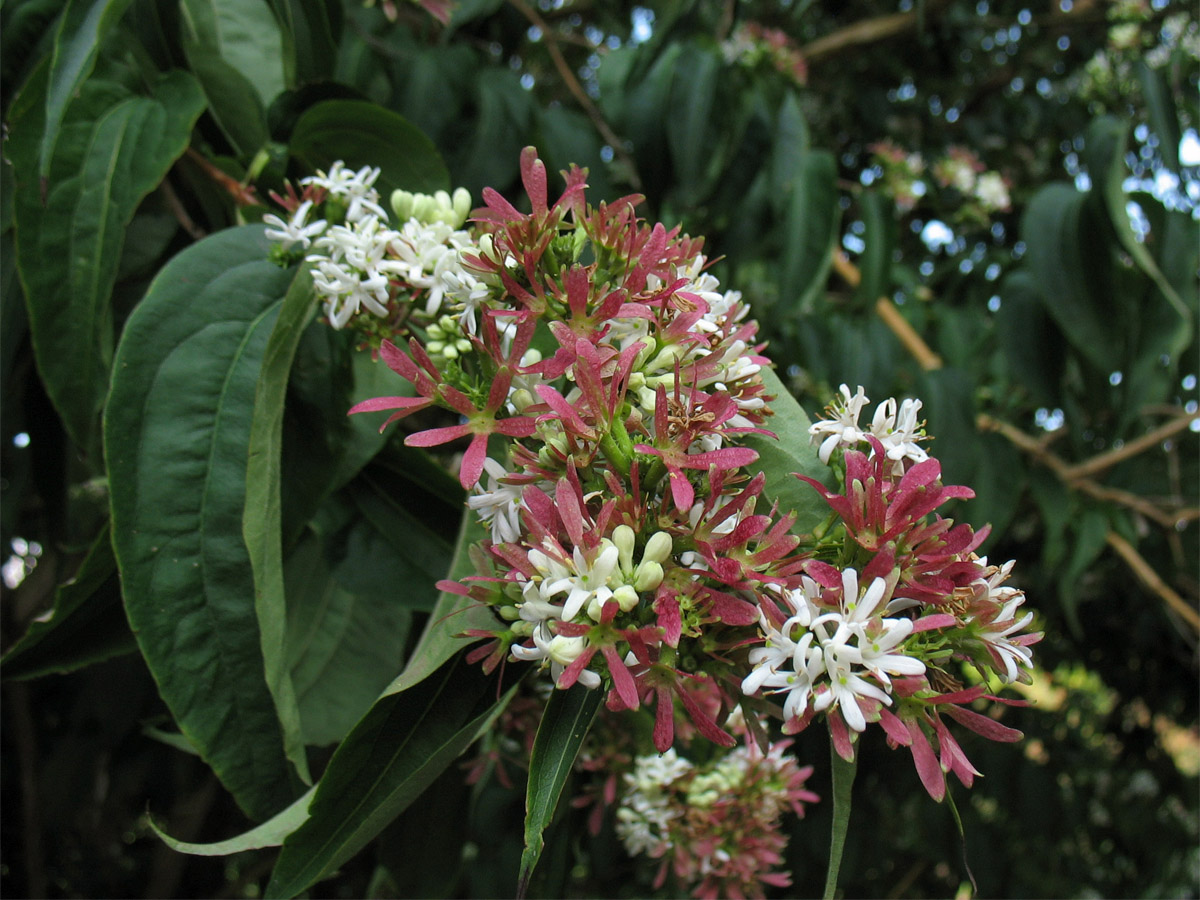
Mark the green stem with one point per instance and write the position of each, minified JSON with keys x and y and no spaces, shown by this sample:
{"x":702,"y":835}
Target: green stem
{"x":613,"y":452}
{"x":843,"y":782}
{"x":654,"y":474}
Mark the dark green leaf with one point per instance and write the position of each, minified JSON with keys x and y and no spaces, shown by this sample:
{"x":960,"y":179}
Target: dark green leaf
{"x":391,"y":756}
{"x":362,"y":134}
{"x":875,"y":263}
{"x":344,"y":644}
{"x":792,"y":452}
{"x":245,"y":35}
{"x":452,"y":615}
{"x":1068,"y":259}
{"x":177,"y":438}
{"x":80,"y":31}
{"x":565,"y":724}
{"x":1106,"y":140}
{"x":1164,"y":120}
{"x":810,"y":234}
{"x":312,"y":30}
{"x":690,"y":134}
{"x":114,"y":150}
{"x":270,"y":833}
{"x":1030,"y":340}
{"x":790,"y":151}
{"x":86,"y":625}
{"x":262,"y":520}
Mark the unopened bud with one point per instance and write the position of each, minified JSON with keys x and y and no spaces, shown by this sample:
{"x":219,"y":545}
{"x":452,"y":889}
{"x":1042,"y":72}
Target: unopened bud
{"x":626,"y":597}
{"x":658,"y":548}
{"x":521,"y":399}
{"x":509,"y":613}
{"x":402,"y":205}
{"x":649,"y":576}
{"x":565,"y":650}
{"x":624,"y":537}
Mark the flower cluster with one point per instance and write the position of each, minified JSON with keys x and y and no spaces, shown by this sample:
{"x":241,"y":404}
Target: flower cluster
{"x":716,"y":825}
{"x":979,"y":192}
{"x":753,"y":44}
{"x":607,"y":395}
{"x":368,"y":274}
{"x":876,"y":637}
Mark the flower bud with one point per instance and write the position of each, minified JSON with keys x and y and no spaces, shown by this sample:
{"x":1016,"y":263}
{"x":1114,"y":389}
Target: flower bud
{"x":521,"y":399}
{"x":509,"y":613}
{"x":565,"y":650}
{"x":649,"y":575}
{"x":658,"y":548}
{"x":461,"y":203}
{"x":623,"y":537}
{"x":626,"y":597}
{"x":402,"y":205}
{"x":521,"y":628}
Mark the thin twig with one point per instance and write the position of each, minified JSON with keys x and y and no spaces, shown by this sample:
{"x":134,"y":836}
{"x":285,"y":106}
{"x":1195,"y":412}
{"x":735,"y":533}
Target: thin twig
{"x":1151,"y":579}
{"x":181,"y":215}
{"x":577,"y":91}
{"x":867,"y":31}
{"x":1134,"y":447}
{"x":887,"y":311}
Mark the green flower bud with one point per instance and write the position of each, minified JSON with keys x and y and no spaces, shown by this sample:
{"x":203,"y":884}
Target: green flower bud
{"x":626,"y":597}
{"x":402,"y":205}
{"x":623,"y":537}
{"x":649,"y":576}
{"x":658,"y":548}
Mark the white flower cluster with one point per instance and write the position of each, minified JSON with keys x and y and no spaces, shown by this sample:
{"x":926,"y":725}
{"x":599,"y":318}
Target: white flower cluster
{"x":826,"y":655}
{"x":897,"y":429}
{"x":646,"y":812}
{"x":996,"y":634}
{"x":360,"y":262}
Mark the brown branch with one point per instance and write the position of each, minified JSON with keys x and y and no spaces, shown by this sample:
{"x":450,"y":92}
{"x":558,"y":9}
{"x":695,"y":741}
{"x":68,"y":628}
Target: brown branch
{"x":886,"y":310}
{"x":867,"y":31}
{"x":1134,"y":447}
{"x":175,"y":205}
{"x":1151,"y":579}
{"x":577,"y":91}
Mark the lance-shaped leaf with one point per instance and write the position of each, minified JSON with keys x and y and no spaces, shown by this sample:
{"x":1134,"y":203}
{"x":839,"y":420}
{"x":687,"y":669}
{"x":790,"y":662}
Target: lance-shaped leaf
{"x":113,"y":150}
{"x":80,"y":31}
{"x":86,"y":625}
{"x":270,"y":833}
{"x":810,"y":233}
{"x":177,"y":437}
{"x":792,"y":452}
{"x":564,"y":725}
{"x":262,"y":519}
{"x":383,"y":765}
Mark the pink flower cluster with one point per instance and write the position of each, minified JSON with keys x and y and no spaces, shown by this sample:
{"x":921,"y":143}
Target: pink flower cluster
{"x":605,"y":386}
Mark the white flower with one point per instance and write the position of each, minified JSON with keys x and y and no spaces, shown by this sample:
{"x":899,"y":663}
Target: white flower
{"x":353,"y":268}
{"x":996,"y":634}
{"x":826,"y":656}
{"x":499,"y":505}
{"x":992,"y":192}
{"x":296,"y":230}
{"x":896,"y":429}
{"x":355,"y":189}
{"x":842,"y":429}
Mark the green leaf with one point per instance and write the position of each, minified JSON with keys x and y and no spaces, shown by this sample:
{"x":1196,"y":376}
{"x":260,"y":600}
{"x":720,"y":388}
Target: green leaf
{"x":232,"y":100}
{"x":1031,"y":341}
{"x":364,"y":134}
{"x":810,"y":235}
{"x":114,"y":150}
{"x":791,"y":149}
{"x":875,"y":264}
{"x":262,"y":519}
{"x":792,"y":452}
{"x":452,"y":615}
{"x":565,"y":723}
{"x":843,"y":788}
{"x":1164,"y":120}
{"x":86,"y":625}
{"x":177,"y":438}
{"x":1105,"y":141}
{"x":344,"y":644}
{"x":270,"y":833}
{"x":391,"y":756}
{"x":81,"y":29}
{"x":311,"y":33}
{"x":245,"y":35}
{"x":1068,"y":259}
{"x":690,"y":135}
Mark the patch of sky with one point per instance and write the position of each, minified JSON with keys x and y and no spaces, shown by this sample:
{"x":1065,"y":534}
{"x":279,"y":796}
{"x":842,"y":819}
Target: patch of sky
{"x":1049,"y":419}
{"x":1188,"y":383}
{"x":952,"y":115}
{"x":966,"y":266}
{"x":937,"y":235}
{"x":992,"y":272}
{"x":21,"y":439}
{"x":854,"y":243}
{"x":926,"y":268}
{"x":643,"y":25}
{"x":1115,"y":378}
{"x":1024,"y":17}
{"x":993,"y":303}
{"x":1063,"y":43}
{"x":527,"y":81}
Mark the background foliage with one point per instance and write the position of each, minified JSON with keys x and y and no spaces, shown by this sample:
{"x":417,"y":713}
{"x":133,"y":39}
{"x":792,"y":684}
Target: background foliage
{"x":1052,"y":338}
